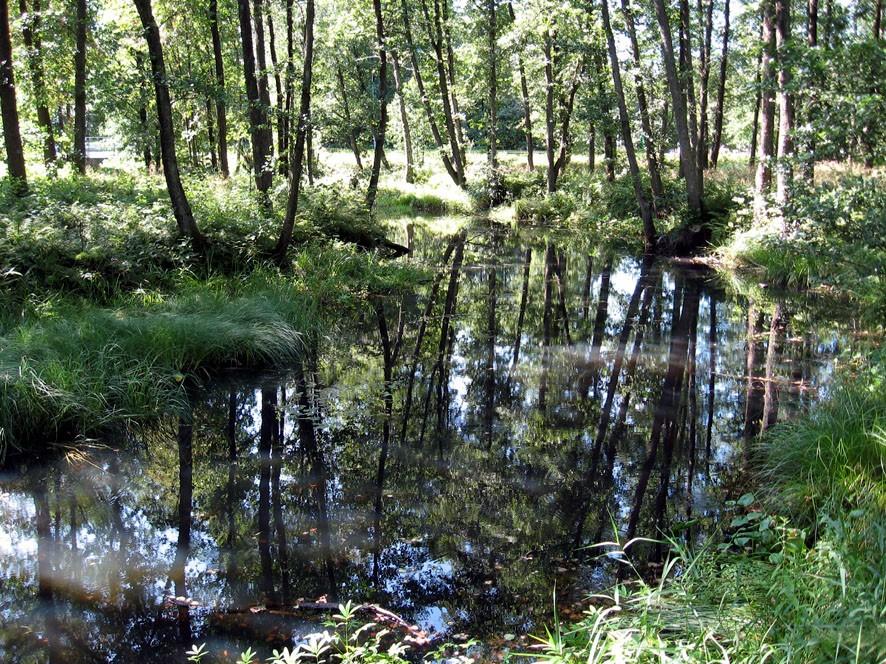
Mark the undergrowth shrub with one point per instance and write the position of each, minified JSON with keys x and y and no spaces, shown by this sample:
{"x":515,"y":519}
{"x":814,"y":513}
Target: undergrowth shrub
{"x":831,"y":237}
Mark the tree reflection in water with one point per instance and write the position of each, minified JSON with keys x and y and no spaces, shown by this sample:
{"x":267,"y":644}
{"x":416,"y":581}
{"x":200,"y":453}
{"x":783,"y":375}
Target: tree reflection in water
{"x":558,"y":402}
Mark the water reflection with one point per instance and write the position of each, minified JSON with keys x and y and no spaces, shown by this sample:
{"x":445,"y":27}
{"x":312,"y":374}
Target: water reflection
{"x":451,"y":458}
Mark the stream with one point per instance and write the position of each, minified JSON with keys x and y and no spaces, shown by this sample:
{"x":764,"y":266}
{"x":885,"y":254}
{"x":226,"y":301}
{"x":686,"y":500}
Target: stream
{"x":560,"y":398}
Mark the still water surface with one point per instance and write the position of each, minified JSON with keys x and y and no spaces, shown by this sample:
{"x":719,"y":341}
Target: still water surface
{"x":554,"y":395}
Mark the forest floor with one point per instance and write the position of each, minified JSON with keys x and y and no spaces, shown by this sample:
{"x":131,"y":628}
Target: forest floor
{"x":107,"y":314}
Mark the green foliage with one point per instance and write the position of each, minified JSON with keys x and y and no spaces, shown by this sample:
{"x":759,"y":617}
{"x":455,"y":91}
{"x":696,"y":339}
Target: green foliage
{"x":346,"y":640}
{"x":800,"y":574}
{"x":71,"y":366}
{"x":831,"y":237}
{"x":545,"y":210}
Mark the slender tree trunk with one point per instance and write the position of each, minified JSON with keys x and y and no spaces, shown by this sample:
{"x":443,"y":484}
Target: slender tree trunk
{"x":704,"y":80}
{"x":810,"y":110}
{"x":32,"y":42}
{"x":436,"y":35}
{"x":181,"y":209}
{"x":404,"y":120}
{"x":261,"y":73}
{"x":146,"y":133}
{"x":687,"y":77}
{"x":645,"y":122}
{"x":592,"y":147}
{"x":767,"y":104}
{"x":15,"y":154}
{"x":878,"y":20}
{"x":296,"y":162}
{"x":524,"y":91}
{"x":758,"y":102}
{"x":721,"y":91}
{"x":219,"y":93}
{"x":258,"y":118}
{"x":491,"y":131}
{"x":785,"y":167}
{"x":280,"y":101}
{"x":80,"y":86}
{"x":210,"y":134}
{"x":448,"y":161}
{"x":450,"y":74}
{"x":289,"y":82}
{"x":381,"y":128}
{"x":346,"y":109}
{"x":627,"y":139}
{"x":549,"y":112}
{"x":687,"y":152}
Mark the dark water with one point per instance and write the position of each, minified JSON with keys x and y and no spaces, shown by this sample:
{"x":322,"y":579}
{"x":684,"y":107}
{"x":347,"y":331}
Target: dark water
{"x":559,"y":394}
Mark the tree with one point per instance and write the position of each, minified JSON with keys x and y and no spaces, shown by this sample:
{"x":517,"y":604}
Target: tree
{"x":785,"y":170}
{"x":181,"y":209}
{"x":524,"y":91}
{"x":15,"y":154}
{"x":80,"y":25}
{"x":31,"y":20}
{"x":721,"y":91}
{"x":296,"y":161}
{"x":639,"y":193}
{"x":645,"y":122}
{"x":681,"y":118}
{"x":379,"y":133}
{"x":220,"y":110}
{"x":404,"y":120}
{"x":258,"y":116}
{"x":763,"y":178}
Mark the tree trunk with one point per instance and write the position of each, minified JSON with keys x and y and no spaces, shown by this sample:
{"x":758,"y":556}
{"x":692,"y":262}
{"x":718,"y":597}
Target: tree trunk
{"x":592,"y":146}
{"x":645,"y":122}
{"x":785,"y":167}
{"x":878,"y":20}
{"x":261,"y":73}
{"x":304,"y":126}
{"x":812,"y":42}
{"x":220,"y":111}
{"x":181,"y":209}
{"x":32,"y":42}
{"x":524,"y":91}
{"x":404,"y":120}
{"x":687,"y":77}
{"x":379,"y":133}
{"x":15,"y":154}
{"x":767,"y":105}
{"x":491,"y":132}
{"x":210,"y":134}
{"x":146,"y":136}
{"x":288,"y":83}
{"x":704,"y":79}
{"x":448,"y":161}
{"x":549,"y":112}
{"x":80,"y":86}
{"x":346,"y":109}
{"x":721,"y":91}
{"x":436,"y":36}
{"x":755,"y":124}
{"x":627,"y":139}
{"x":258,"y":118}
{"x":280,"y":101}
{"x":687,"y":153}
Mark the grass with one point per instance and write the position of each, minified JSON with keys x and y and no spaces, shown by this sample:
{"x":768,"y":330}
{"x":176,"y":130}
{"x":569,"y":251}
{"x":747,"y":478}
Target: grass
{"x":830,"y":238}
{"x":799,"y":572}
{"x":73,"y":367}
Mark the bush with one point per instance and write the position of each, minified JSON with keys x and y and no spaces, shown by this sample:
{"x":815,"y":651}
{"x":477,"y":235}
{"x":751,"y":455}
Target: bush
{"x":545,"y":210}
